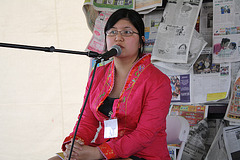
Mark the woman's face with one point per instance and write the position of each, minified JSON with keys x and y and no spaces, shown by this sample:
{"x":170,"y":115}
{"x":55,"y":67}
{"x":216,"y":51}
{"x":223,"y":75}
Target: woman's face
{"x":182,"y":48}
{"x":225,"y":45}
{"x":129,"y":45}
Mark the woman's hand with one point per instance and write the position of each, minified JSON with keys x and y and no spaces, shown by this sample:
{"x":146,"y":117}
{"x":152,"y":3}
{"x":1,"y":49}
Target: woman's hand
{"x":81,"y":151}
{"x":77,"y":146}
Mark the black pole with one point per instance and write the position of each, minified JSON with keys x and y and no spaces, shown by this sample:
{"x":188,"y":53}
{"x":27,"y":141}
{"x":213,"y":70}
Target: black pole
{"x":49,"y":49}
{"x":84,"y":105}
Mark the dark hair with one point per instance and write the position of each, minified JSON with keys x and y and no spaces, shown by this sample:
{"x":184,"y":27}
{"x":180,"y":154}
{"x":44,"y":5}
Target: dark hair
{"x":185,"y":46}
{"x":234,"y":45}
{"x":224,"y":40}
{"x":133,"y":17}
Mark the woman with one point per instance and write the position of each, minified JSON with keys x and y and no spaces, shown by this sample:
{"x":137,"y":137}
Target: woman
{"x":182,"y":49}
{"x":129,"y":91}
{"x":221,"y":46}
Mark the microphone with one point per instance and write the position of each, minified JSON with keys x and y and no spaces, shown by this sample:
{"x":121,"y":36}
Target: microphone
{"x":114,"y":51}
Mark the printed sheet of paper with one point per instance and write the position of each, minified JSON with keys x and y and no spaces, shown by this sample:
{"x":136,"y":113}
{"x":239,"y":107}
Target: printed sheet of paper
{"x":226,"y":31}
{"x":175,"y":31}
{"x":233,"y":109}
{"x":231,"y":135}
{"x":97,"y":43}
{"x":109,"y":5}
{"x":146,"y":6}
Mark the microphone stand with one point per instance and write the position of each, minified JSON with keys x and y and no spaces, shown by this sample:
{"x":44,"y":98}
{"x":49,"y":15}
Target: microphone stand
{"x":52,"y":49}
{"x":84,"y":105}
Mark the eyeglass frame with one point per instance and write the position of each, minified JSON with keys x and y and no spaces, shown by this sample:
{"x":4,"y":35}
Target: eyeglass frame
{"x":121,"y":32}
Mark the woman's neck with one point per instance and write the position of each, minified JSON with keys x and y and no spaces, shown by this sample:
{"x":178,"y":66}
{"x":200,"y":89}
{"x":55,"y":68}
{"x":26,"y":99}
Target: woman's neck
{"x":122,"y":69}
{"x":123,"y":65}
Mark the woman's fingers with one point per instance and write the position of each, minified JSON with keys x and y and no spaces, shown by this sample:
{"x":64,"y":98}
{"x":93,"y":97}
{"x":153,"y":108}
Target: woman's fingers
{"x":66,"y":153}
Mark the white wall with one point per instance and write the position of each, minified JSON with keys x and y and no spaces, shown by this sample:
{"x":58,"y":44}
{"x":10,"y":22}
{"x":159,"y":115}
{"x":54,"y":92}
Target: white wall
{"x":40,"y":93}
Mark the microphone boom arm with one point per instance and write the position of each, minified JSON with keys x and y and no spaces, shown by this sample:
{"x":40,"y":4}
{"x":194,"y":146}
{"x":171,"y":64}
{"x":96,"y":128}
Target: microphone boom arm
{"x":50,"y":49}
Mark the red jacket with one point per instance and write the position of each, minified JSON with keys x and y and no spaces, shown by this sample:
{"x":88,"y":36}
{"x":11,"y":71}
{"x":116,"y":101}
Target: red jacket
{"x":141,"y":111}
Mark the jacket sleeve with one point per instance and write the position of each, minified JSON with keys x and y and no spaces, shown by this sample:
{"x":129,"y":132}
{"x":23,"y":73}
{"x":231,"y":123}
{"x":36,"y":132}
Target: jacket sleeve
{"x":152,"y":122}
{"x":88,"y":124}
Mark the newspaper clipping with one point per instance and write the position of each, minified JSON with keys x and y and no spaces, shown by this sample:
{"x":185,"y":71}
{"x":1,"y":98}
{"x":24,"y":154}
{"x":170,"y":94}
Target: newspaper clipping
{"x":97,"y":43}
{"x":226,"y":30}
{"x":206,"y":22}
{"x":192,"y":113}
{"x":175,"y":31}
{"x":231,"y":135}
{"x":144,"y":7}
{"x":106,"y":5}
{"x":196,"y":47}
{"x":152,"y":22}
{"x":200,"y":139}
{"x":217,"y":151}
{"x":180,"y":88}
{"x":214,"y":79}
{"x":233,"y":112}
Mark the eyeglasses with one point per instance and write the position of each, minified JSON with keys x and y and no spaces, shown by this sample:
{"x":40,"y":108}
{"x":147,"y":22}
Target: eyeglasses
{"x":124,"y":33}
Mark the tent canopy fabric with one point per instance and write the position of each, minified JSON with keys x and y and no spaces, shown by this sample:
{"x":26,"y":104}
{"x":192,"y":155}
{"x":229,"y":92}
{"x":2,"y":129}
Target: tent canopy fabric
{"x":40,"y":93}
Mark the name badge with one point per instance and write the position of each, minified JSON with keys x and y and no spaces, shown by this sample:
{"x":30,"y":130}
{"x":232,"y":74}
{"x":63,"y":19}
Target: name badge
{"x":110,"y":128}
